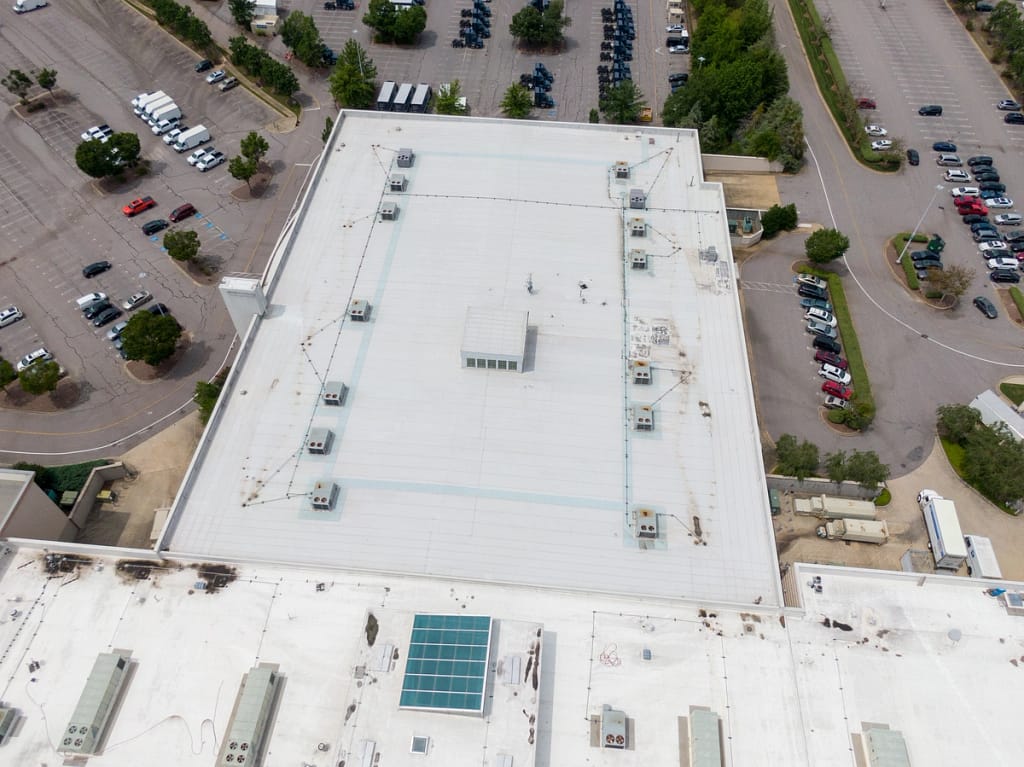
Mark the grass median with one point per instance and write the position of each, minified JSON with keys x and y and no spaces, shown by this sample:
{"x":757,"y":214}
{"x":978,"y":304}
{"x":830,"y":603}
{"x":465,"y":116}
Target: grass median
{"x":1018,"y":299}
{"x":900,"y":242}
{"x":862,"y":410}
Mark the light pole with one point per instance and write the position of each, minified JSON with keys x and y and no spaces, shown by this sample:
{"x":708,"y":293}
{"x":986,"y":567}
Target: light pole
{"x":700,"y":62}
{"x":938,"y":188}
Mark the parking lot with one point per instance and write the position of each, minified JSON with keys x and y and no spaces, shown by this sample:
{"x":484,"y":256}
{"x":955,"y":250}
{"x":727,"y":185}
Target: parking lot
{"x":56,"y":220}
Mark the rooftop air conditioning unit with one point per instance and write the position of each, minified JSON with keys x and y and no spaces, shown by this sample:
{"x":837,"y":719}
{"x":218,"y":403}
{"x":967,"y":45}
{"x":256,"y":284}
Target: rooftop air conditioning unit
{"x":405,"y":158}
{"x":645,"y":524}
{"x":641,"y":370}
{"x":709,"y":254}
{"x":613,"y":728}
{"x":325,"y":494}
{"x":637,"y":227}
{"x":643,"y":418}
{"x":621,"y":169}
{"x":637,"y":199}
{"x":319,"y":442}
{"x":359,"y":310}
{"x":388,"y":211}
{"x":397,"y":182}
{"x":638,"y":259}
{"x":334,"y":393}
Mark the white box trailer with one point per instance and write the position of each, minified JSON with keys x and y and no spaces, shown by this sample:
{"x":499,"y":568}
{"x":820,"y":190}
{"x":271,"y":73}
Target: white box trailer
{"x":140,"y":102}
{"x":24,"y":6}
{"x":863,"y":530}
{"x":421,"y":98}
{"x":947,"y":541}
{"x":831,"y":507}
{"x":386,"y":97}
{"x":981,"y":558}
{"x":152,"y":106}
{"x":403,"y":98}
{"x":192,"y":138}
{"x":166,"y":112}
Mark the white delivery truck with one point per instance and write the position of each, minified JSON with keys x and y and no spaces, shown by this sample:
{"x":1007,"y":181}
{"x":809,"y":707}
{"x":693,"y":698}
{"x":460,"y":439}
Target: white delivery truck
{"x":24,"y":6}
{"x":863,"y":530}
{"x":147,"y":111}
{"x":192,"y":138}
{"x":948,"y":548}
{"x":143,"y":100}
{"x":832,"y":507}
{"x":981,"y":558}
{"x":166,"y":112}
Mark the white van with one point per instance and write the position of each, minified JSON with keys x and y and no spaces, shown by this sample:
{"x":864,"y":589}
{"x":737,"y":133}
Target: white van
{"x":89,"y":299}
{"x":31,"y":358}
{"x":949,"y":160}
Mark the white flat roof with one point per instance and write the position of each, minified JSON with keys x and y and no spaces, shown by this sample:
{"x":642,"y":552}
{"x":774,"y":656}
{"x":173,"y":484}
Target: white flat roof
{"x":495,"y":331}
{"x":524,"y":478}
{"x":791,"y":687}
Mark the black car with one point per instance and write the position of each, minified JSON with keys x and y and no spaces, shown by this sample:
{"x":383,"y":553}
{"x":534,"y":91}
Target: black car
{"x":986,"y":175}
{"x":1014,"y":118}
{"x":1017,"y":235}
{"x":97,"y":267}
{"x":154,"y":226}
{"x":921,"y":255}
{"x":927,"y":263}
{"x":96,"y":309}
{"x":987,"y":307}
{"x":204,"y":65}
{"x":1016,"y":247}
{"x":811,"y":291}
{"x":930,"y":110}
{"x":992,"y":186}
{"x":828,"y":344}
{"x":984,"y":7}
{"x":109,"y":314}
{"x":678,"y":77}
{"x":1004,"y":275}
{"x":980,"y":159}
{"x":913,"y":157}
{"x":159,"y":309}
{"x":976,"y":218}
{"x":984,"y":223}
{"x":944,"y":146}
{"x":999,"y":253}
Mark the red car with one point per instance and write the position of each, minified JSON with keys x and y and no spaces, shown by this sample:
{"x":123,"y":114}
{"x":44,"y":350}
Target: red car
{"x":837,"y":390}
{"x":135,"y":207}
{"x":866,"y":104}
{"x":976,"y":207}
{"x":964,"y":200}
{"x":830,"y":358}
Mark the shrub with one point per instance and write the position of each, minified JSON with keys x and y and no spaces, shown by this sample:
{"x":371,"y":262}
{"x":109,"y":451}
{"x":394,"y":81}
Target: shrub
{"x":779,"y":218}
{"x":1018,"y":299}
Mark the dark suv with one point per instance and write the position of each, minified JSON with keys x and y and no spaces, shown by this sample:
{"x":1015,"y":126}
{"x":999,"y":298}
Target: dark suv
{"x":981,"y":159}
{"x":97,"y":267}
{"x":930,"y":110}
{"x":182,"y":212}
{"x":96,"y":309}
{"x":826,"y":343}
{"x":1004,"y":275}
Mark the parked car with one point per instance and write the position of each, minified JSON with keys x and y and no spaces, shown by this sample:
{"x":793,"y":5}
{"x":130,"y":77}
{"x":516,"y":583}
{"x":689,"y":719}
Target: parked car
{"x":986,"y":174}
{"x":216,"y":76}
{"x":115,"y":332}
{"x":979,"y":159}
{"x":923,"y":255}
{"x":172,"y":135}
{"x":863,"y":103}
{"x":836,"y":403}
{"x":228,"y":84}
{"x":10,"y":315}
{"x":96,"y":267}
{"x":810,"y":279}
{"x":135,"y":300}
{"x":1001,"y":263}
{"x":956,"y":175}
{"x":875,"y":130}
{"x":675,"y":28}
{"x":211,"y":161}
{"x":983,"y":224}
{"x":977,"y":207}
{"x":944,"y":146}
{"x":1004,"y":275}
{"x":992,"y":186}
{"x":1008,"y":218}
{"x":1008,"y":105}
{"x":913,"y":157}
{"x":158,"y":309}
{"x":108,"y":315}
{"x":815,"y":303}
{"x":96,"y":309}
{"x":882,"y":145}
{"x":964,"y":199}
{"x":837,"y":390}
{"x":152,"y":227}
{"x":828,"y":344}
{"x":39,"y":355}
{"x":822,"y":316}
{"x":986,"y":307}
{"x":137,"y":206}
{"x":204,"y":65}
{"x":922,"y":267}
{"x":964,"y":191}
{"x":987,"y":235}
{"x":832,"y":373}
{"x":818,"y":328}
{"x":812,"y":291}
{"x":1016,"y":235}
{"x":1000,"y":202}
{"x":101,"y":133}
{"x":199,"y":154}
{"x":974,"y":218}
{"x":182,"y":212}
{"x":830,"y":358}
{"x":989,"y":194}
{"x":999,"y":253}
{"x":89,"y":299}
{"x":1014,"y":118}
{"x":931,"y":110}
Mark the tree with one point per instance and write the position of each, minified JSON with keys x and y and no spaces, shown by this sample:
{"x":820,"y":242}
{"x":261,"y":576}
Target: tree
{"x":835,"y":467}
{"x":40,"y":377}
{"x":994,"y":463}
{"x":47,"y":78}
{"x":94,"y":160}
{"x":865,"y":469}
{"x":151,"y":338}
{"x":325,"y":135}
{"x":207,"y":393}
{"x":796,"y":459}
{"x":448,"y":99}
{"x":380,"y":16}
{"x":518,"y":102}
{"x":859,"y":413}
{"x":124,"y":149}
{"x":778,"y":218}
{"x":956,"y":423}
{"x":18,"y":83}
{"x":826,"y":245}
{"x":952,"y":281}
{"x":534,"y":27}
{"x":7,"y":372}
{"x":595,"y":116}
{"x":353,"y":81}
{"x":243,"y":169}
{"x":254,"y":146}
{"x":182,"y":245}
{"x":622,"y":103}
{"x":409,"y":22}
{"x":242,"y":11}
{"x":299,"y":32}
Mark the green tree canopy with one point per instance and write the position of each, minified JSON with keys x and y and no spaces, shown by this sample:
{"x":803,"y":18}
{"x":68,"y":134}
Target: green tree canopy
{"x":779,"y":218}
{"x":393,"y":24}
{"x":243,"y":169}
{"x":151,"y":338}
{"x":125,"y":149}
{"x":242,"y":11}
{"x":254,"y":146}
{"x":796,"y":459}
{"x":623,"y":103}
{"x":517,"y":102}
{"x":7,"y":372}
{"x":40,"y":377}
{"x":94,"y":160}
{"x":353,"y":81}
{"x":826,"y":245}
{"x":206,"y":395}
{"x":994,"y":463}
{"x":47,"y":78}
{"x":18,"y":83}
{"x":182,"y":244}
{"x":299,"y":32}
{"x":957,"y":422}
{"x":835,"y":466}
{"x":865,"y":468}
{"x":409,"y":22}
{"x":533,"y":27}
{"x":953,"y":281}
{"x":448,"y":98}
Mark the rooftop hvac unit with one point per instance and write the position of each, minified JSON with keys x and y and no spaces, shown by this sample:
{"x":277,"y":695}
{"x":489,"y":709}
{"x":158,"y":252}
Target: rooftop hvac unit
{"x":89,"y":721}
{"x":643,"y":418}
{"x":388,"y":211}
{"x":319,"y":442}
{"x":637,"y":199}
{"x":613,"y":728}
{"x":405,"y":158}
{"x":637,"y":227}
{"x":397,"y":182}
{"x":359,"y":310}
{"x":638,"y":259}
{"x":621,"y":169}
{"x":641,"y":370}
{"x":325,"y":495}
{"x":250,"y":722}
{"x":645,"y":524}
{"x":8,"y":716}
{"x":334,"y":393}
